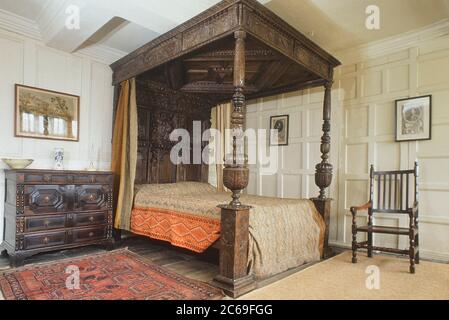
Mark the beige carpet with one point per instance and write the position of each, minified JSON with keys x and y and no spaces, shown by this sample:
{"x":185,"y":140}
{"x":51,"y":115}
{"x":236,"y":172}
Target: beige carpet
{"x":338,"y":279}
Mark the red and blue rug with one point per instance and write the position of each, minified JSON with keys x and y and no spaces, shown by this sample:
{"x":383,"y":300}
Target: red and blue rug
{"x":115,"y":275}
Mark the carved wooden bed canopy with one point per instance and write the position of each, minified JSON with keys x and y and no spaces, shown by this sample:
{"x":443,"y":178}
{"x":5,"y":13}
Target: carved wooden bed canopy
{"x":236,"y":50}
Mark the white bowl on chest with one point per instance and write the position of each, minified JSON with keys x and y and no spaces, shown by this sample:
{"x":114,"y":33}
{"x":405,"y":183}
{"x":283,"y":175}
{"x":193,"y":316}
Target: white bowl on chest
{"x":18,"y":163}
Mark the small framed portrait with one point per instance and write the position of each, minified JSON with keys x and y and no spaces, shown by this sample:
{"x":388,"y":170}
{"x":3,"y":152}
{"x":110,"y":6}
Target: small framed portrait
{"x":280,"y":126}
{"x":413,"y":118}
{"x":45,"y":114}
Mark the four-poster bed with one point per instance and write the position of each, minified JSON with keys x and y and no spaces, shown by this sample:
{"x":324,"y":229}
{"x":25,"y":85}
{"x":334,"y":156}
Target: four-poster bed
{"x":236,"y":50}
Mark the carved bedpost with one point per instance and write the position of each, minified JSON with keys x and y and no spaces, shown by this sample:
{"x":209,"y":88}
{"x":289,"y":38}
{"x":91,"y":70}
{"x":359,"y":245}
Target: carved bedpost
{"x":234,"y":239}
{"x":235,"y":173}
{"x":323,"y":175}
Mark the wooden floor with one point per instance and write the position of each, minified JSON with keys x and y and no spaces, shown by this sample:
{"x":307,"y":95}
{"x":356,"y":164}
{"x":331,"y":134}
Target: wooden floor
{"x":201,"y":267}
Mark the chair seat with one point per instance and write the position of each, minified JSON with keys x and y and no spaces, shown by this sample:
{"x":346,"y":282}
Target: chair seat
{"x":387,"y":230}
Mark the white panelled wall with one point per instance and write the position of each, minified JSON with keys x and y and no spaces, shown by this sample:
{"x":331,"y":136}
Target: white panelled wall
{"x":295,"y":177}
{"x":363,"y":133}
{"x":28,"y":62}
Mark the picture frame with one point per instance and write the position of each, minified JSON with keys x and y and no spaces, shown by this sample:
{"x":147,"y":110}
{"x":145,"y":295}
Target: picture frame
{"x":46,"y":114}
{"x":413,"y":118}
{"x":281,"y":124}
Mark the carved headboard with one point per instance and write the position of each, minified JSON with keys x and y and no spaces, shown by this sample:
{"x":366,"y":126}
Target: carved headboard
{"x":160,"y":111}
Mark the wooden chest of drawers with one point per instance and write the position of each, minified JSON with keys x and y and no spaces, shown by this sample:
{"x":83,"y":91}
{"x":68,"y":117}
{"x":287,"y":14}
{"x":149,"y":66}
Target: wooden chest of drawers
{"x":50,"y":210}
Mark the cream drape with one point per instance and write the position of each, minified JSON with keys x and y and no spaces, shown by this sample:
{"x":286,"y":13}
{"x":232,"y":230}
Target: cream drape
{"x":220,"y":120}
{"x":124,"y":153}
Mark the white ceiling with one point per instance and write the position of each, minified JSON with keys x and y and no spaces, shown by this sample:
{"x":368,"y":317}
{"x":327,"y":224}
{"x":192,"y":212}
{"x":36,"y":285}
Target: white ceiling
{"x":340,"y":24}
{"x":28,"y":9}
{"x":119,"y":27}
{"x":129,"y":37}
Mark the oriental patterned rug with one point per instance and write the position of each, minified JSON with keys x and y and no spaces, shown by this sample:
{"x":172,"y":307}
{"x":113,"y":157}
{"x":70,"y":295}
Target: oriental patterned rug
{"x":115,"y":275}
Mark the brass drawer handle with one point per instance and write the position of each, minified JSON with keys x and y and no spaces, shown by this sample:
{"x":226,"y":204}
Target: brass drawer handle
{"x":91,"y":234}
{"x":91,"y":219}
{"x":46,"y":199}
{"x":91,"y":197}
{"x":45,"y":240}
{"x":46,"y":223}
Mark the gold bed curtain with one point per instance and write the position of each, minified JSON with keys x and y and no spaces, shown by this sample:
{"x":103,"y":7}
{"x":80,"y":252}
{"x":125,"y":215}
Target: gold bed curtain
{"x":220,"y":120}
{"x":124,"y":153}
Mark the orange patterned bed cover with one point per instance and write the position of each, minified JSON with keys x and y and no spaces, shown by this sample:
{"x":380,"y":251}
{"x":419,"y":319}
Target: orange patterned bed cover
{"x":181,"y":229}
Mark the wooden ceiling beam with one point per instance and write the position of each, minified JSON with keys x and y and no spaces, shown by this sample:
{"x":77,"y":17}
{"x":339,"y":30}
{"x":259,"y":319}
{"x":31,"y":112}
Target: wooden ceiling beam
{"x":228,"y":55}
{"x":268,"y":77}
{"x":214,"y":87}
{"x":300,"y":85}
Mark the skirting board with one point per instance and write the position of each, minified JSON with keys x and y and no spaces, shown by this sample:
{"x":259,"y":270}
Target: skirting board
{"x":424,"y":254}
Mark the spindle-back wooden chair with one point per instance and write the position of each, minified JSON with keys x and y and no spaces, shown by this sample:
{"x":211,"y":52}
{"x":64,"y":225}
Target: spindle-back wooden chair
{"x":391,"y":193}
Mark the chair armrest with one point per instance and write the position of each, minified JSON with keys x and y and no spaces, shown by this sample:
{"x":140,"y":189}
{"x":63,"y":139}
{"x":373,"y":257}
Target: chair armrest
{"x":366,"y":206}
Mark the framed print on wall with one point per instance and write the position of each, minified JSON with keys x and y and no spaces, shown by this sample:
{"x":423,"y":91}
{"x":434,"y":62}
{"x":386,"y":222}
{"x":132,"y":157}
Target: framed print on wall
{"x":413,"y":118}
{"x":45,"y":114}
{"x":279,"y":123}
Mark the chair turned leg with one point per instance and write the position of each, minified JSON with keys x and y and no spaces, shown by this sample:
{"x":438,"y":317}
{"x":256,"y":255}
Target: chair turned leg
{"x":417,"y":249}
{"x":354,"y":244}
{"x":370,"y":244}
{"x":412,"y":254}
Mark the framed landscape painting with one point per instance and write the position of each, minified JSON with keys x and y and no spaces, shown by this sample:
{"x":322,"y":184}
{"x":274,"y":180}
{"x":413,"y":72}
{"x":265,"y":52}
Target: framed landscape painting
{"x":46,"y":114}
{"x":280,"y":125}
{"x":413,"y":118}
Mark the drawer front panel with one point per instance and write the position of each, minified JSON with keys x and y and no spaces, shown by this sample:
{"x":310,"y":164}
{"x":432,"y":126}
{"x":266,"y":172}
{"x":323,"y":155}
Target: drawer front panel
{"x":33,"y":224}
{"x":46,"y":199}
{"x":92,"y":178}
{"x":53,"y":177}
{"x":89,"y":234}
{"x":46,"y":178}
{"x":89,"y":218}
{"x":93,"y":197}
{"x":49,"y":239}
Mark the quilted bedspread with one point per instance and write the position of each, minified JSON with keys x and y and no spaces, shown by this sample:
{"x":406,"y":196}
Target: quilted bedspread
{"x":284,"y":233}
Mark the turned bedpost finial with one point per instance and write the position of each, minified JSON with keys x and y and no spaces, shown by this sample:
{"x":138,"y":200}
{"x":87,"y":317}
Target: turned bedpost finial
{"x":236,"y":173}
{"x":323,"y":175}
